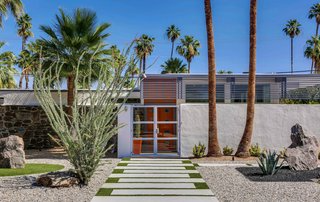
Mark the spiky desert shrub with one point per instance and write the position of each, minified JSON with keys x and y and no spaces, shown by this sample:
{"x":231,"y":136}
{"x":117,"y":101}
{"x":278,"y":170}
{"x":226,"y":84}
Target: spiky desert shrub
{"x":227,"y":151}
{"x":84,"y":134}
{"x":268,"y":163}
{"x":199,"y":150}
{"x":255,"y":150}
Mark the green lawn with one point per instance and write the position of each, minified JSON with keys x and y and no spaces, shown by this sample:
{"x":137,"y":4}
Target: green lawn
{"x":31,"y":168}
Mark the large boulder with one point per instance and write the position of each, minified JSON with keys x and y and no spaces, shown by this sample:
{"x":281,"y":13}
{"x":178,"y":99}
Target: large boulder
{"x":11,"y":152}
{"x":302,"y":154}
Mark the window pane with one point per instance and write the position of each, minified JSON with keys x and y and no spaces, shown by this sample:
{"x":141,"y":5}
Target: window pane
{"x":142,"y":146}
{"x":167,"y":114}
{"x":167,"y":146}
{"x":142,"y":130}
{"x":143,"y":114}
{"x":199,"y":92}
{"x":167,"y":130}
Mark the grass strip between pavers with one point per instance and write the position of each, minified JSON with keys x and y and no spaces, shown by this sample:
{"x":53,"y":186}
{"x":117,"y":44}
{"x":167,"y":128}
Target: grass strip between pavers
{"x":112,"y":180}
{"x":187,"y":162}
{"x":126,"y":159}
{"x":115,"y":171}
{"x":122,"y":164}
{"x":104,"y":192}
{"x":190,"y":168}
{"x":195,"y":164}
{"x":195,"y":175}
{"x":201,"y":185}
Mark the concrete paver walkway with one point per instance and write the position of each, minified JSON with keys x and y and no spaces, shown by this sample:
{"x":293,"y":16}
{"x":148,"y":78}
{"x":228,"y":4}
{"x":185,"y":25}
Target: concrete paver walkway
{"x":155,"y":180}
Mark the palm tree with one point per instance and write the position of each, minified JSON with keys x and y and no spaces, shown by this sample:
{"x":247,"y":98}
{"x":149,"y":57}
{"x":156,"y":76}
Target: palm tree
{"x":24,"y":31}
{"x":244,"y":145}
{"x":173,"y":33}
{"x":174,"y":66}
{"x":188,"y":48}
{"x":14,"y":6}
{"x":292,"y":30}
{"x":313,"y":52}
{"x":24,"y":28}
{"x":144,"y":47}
{"x":73,"y":37}
{"x":7,"y":70}
{"x":213,"y":143}
{"x":315,"y":13}
{"x":25,"y":60}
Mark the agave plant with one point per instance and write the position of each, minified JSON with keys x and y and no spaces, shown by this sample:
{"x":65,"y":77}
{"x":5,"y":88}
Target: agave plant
{"x":268,"y":163}
{"x":199,"y":150}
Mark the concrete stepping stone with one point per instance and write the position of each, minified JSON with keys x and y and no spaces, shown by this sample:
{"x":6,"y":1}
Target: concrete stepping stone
{"x":149,"y":168}
{"x":160,"y":171}
{"x":154,"y":199}
{"x":150,"y":175}
{"x":154,"y":162}
{"x":151,"y":159}
{"x":149,"y":185}
{"x":156,"y":180}
{"x":158,"y":165}
{"x":162,"y":192}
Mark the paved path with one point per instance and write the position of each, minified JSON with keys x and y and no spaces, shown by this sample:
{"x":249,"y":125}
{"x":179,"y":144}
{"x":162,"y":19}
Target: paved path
{"x":155,"y":180}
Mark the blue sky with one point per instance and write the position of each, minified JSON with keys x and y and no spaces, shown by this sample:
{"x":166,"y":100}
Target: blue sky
{"x":131,"y":18}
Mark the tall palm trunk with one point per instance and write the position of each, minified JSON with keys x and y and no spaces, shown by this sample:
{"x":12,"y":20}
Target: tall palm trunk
{"x":317,"y":29}
{"x":213,"y":143}
{"x":172,"y":48}
{"x":23,"y":73}
{"x":70,"y":91}
{"x":189,"y":66}
{"x":291,"y":54}
{"x":244,"y":145}
{"x":144,"y":63}
{"x":313,"y":64}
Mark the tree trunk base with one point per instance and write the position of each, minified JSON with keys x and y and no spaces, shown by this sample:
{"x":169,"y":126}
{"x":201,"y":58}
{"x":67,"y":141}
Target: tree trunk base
{"x":243,"y":154}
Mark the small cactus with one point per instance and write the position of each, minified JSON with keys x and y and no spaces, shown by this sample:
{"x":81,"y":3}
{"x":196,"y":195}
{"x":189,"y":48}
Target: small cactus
{"x":199,"y":150}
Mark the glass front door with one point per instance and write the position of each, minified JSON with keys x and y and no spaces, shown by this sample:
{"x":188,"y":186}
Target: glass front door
{"x":155,"y":130}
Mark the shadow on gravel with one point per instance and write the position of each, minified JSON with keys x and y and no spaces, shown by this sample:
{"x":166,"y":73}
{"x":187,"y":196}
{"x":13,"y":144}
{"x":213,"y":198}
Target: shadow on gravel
{"x":284,"y":175}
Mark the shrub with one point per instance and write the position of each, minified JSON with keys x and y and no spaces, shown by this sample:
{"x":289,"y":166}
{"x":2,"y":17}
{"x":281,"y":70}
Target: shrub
{"x":85,"y":133}
{"x":282,"y":152}
{"x":199,"y":151}
{"x":268,"y":163}
{"x":255,"y":150}
{"x":227,"y":151}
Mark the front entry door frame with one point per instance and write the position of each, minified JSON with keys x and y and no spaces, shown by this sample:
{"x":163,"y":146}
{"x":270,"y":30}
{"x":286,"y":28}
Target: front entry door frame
{"x":155,"y":123}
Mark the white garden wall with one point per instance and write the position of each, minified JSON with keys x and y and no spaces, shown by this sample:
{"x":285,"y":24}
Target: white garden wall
{"x":272,"y":124}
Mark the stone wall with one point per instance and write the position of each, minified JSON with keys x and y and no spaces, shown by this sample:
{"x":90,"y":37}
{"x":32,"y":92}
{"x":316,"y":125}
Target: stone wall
{"x":30,"y":123}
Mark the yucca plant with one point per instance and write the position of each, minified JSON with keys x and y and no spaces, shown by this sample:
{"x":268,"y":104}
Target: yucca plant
{"x":268,"y":163}
{"x":199,"y":150}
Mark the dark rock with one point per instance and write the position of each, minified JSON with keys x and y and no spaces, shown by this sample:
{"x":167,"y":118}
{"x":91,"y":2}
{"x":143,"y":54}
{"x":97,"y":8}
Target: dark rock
{"x":302,"y":154}
{"x":58,"y":179}
{"x":11,"y":152}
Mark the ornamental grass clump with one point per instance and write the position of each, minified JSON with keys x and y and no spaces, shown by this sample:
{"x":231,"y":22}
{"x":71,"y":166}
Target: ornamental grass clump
{"x":85,"y":132}
{"x":227,"y":151}
{"x":255,"y":150}
{"x":268,"y":163}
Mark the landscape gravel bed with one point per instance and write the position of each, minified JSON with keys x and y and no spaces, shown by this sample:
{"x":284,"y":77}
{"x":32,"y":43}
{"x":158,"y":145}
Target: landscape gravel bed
{"x":21,"y":188}
{"x":247,"y":184}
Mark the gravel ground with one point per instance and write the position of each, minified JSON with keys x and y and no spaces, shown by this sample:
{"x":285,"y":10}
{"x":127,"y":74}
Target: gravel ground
{"x":246,"y":184}
{"x":20,"y":189}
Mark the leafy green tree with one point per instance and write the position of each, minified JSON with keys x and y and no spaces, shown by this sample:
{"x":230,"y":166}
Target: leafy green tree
{"x":174,"y":66}
{"x":314,"y":13}
{"x":292,"y":29}
{"x":173,"y":33}
{"x":73,"y":37}
{"x":143,"y":48}
{"x":13,"y":6}
{"x":188,"y":48}
{"x":7,"y":70}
